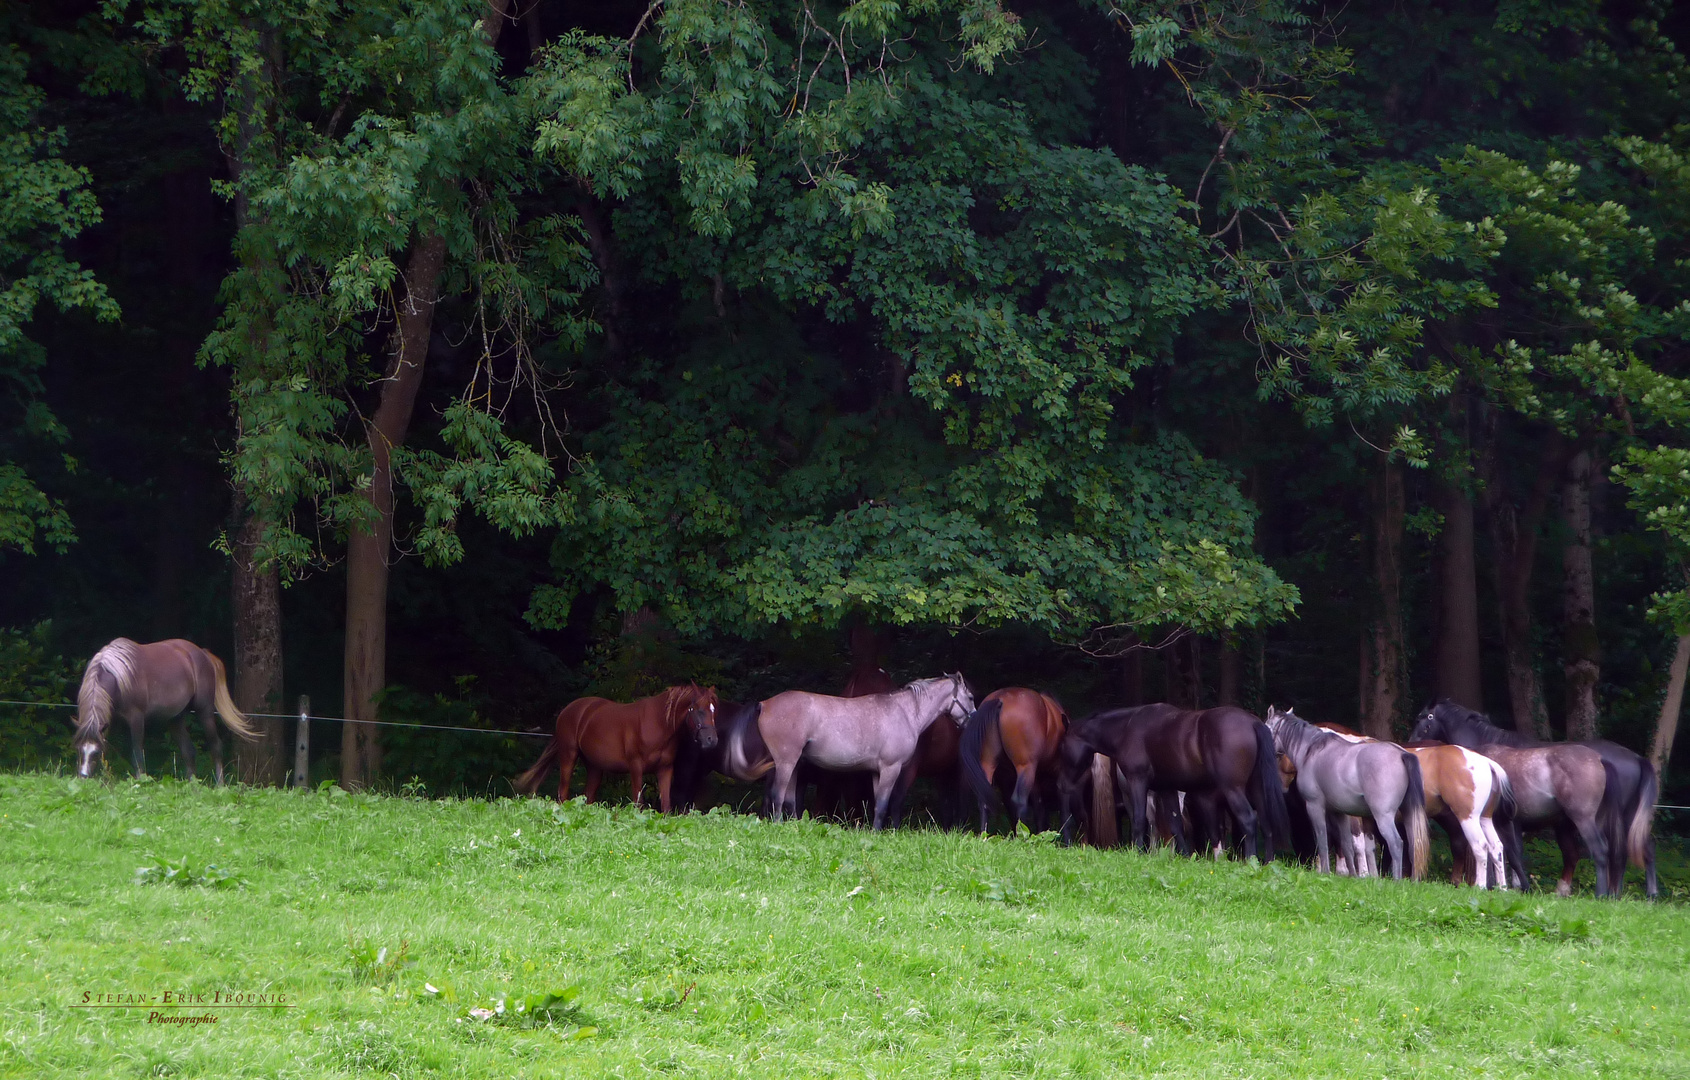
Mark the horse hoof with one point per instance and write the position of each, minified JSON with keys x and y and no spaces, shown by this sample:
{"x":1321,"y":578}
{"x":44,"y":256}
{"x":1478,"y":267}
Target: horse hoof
{"x":1564,"y":888}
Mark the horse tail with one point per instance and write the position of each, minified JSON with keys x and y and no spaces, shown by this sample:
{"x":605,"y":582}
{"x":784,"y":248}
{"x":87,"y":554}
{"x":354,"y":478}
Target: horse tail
{"x":973,"y":738}
{"x":1506,"y":807}
{"x":1266,"y":777}
{"x":232,"y":717}
{"x":528,"y":781}
{"x":1643,"y":815}
{"x":1414,"y":810}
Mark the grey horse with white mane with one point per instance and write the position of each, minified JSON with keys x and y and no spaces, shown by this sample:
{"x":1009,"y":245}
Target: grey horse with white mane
{"x":877,"y":733}
{"x":1373,"y":779}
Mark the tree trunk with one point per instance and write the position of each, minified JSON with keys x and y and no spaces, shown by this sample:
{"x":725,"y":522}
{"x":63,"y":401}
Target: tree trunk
{"x":1667,"y":727}
{"x":1456,"y":673}
{"x":1385,"y":678}
{"x":370,"y":544}
{"x":257,"y":604}
{"x":1514,"y":548}
{"x":1581,"y":657}
{"x":1229,"y":673}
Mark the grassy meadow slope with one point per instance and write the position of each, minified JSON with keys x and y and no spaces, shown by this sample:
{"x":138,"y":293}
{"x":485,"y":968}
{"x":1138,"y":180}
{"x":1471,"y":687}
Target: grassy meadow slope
{"x":720,"y":945}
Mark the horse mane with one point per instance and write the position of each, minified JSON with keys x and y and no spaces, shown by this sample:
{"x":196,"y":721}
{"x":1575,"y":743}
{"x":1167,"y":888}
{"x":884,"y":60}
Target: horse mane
{"x":93,"y":700}
{"x":1451,"y":713}
{"x":1297,"y":734}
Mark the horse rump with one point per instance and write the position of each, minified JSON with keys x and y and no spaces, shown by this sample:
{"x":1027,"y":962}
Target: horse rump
{"x":1414,"y":818}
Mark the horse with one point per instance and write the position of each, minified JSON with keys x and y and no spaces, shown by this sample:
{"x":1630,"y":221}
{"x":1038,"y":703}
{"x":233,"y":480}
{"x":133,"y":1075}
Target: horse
{"x":1166,"y":748}
{"x":738,"y":753}
{"x":1023,"y":726}
{"x":1336,"y":776}
{"x":159,"y":680}
{"x":1465,"y":793}
{"x":877,"y":732}
{"x":632,"y":738}
{"x":1569,"y":787}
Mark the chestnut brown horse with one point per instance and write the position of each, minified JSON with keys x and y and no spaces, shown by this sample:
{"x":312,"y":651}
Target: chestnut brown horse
{"x":1015,"y":724}
{"x":636,"y":738}
{"x":1165,"y":748}
{"x":159,"y":681}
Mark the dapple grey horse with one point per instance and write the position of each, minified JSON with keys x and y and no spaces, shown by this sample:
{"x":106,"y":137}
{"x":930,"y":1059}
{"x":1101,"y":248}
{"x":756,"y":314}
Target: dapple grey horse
{"x":877,"y":733}
{"x":1338,"y":777}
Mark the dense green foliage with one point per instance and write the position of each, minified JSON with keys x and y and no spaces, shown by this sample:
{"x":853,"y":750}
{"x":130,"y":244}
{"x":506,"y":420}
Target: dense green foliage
{"x":1022,"y":332}
{"x":721,"y":945}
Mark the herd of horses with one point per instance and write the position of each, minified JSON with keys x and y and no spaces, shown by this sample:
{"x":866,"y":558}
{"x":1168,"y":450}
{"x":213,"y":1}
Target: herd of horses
{"x":1206,"y":780}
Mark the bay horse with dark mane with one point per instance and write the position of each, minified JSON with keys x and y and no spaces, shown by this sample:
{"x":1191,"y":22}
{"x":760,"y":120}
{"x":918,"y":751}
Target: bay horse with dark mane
{"x":1166,"y":749}
{"x":1609,"y":805}
{"x":1017,"y":725}
{"x":635,"y":738}
{"x":157,"y":681}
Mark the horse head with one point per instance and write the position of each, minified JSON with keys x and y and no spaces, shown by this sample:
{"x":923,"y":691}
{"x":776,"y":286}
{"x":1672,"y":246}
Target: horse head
{"x":90,"y":748}
{"x":1429,"y":725}
{"x":961,"y":705}
{"x":701,"y":715}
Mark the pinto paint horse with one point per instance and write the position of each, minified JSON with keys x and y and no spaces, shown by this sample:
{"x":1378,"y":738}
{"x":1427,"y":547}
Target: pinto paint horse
{"x":157,"y":681}
{"x":1017,"y":725}
{"x":635,"y":738}
{"x":1465,"y":793}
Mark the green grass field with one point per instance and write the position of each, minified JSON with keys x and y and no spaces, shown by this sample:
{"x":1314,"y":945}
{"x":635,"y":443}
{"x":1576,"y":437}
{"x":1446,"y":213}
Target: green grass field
{"x":721,"y":945}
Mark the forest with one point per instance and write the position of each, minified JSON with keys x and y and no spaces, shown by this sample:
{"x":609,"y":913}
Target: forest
{"x":443,"y":360}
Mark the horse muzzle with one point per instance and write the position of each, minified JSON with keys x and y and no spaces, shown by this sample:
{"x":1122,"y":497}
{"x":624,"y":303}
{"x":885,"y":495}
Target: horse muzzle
{"x":707,"y":739}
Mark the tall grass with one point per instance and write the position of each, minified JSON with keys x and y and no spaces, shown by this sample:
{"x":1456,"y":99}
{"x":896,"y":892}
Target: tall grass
{"x":628,"y":943}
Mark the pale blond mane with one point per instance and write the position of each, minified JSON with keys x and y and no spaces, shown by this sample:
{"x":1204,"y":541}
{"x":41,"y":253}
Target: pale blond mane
{"x":93,"y":702}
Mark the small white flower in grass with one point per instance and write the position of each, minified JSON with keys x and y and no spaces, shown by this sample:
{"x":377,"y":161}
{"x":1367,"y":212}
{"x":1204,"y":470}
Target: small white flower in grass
{"x":431,"y":988}
{"x":483,"y":1014}
{"x":733,"y":843}
{"x":516,"y":834}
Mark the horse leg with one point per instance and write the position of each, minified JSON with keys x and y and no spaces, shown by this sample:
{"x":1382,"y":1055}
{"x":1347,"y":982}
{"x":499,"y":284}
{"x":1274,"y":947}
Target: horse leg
{"x":1020,"y":801}
{"x":900,"y":791}
{"x":1479,"y":845}
{"x":884,"y":783}
{"x":780,"y":791}
{"x":138,"y":741}
{"x":1318,"y":822}
{"x":593,"y":778}
{"x":636,"y":781}
{"x":1386,"y":825}
{"x":1138,"y":790}
{"x":1459,"y":852}
{"x":208,"y":720}
{"x":1495,"y":859}
{"x":1339,"y":825}
{"x":1596,"y":840}
{"x":1244,"y":815}
{"x":665,"y":778}
{"x":1514,"y":850}
{"x":565,"y":773}
{"x":179,"y":727}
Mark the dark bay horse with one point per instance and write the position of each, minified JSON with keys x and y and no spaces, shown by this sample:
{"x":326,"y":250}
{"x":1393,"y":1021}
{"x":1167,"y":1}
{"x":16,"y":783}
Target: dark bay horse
{"x":161,"y":680}
{"x":1568,"y":787}
{"x":1015,"y":724}
{"x":1337,"y":776}
{"x":635,"y":738}
{"x":739,"y":753}
{"x":878,"y":732}
{"x":1165,"y":748}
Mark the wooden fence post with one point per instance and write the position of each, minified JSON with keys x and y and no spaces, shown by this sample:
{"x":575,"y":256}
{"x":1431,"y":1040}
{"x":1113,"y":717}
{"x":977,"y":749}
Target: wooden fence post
{"x":302,"y":744}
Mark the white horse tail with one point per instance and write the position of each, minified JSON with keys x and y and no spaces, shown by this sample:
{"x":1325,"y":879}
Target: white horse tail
{"x":1414,"y":811}
{"x":1104,"y":830}
{"x":1643,"y":817}
{"x":232,"y":716}
{"x":1505,"y":805}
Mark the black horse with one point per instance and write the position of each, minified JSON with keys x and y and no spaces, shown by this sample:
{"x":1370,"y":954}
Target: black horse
{"x":1166,"y":749}
{"x":739,"y":754}
{"x":1628,"y":803}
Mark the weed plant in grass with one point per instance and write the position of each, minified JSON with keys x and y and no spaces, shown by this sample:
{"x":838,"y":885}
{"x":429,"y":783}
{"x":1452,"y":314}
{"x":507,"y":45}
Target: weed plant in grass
{"x":471,"y":938}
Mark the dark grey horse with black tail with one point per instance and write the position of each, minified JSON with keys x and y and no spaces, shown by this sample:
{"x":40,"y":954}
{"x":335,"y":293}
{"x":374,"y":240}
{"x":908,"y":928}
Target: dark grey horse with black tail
{"x":158,"y":681}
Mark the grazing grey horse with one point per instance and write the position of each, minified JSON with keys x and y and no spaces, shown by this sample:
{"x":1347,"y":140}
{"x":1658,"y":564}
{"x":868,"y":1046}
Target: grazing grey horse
{"x":1337,"y":777}
{"x":877,"y":732}
{"x":160,"y":681}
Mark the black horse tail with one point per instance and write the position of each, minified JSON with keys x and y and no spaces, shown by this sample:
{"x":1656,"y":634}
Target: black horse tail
{"x":1105,"y":829}
{"x":1266,"y":778}
{"x":1642,"y":815}
{"x":972,"y":739}
{"x":1414,"y":814}
{"x":528,"y":781}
